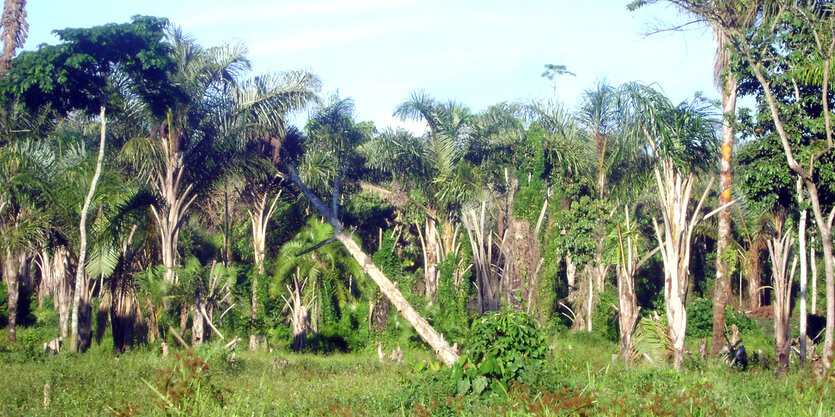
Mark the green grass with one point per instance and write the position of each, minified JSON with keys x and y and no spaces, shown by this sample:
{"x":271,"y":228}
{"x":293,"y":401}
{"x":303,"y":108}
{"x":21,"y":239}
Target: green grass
{"x":582,"y":378}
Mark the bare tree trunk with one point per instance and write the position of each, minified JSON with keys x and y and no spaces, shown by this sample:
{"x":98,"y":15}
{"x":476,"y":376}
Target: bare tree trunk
{"x":482,"y":258}
{"x":590,"y":304}
{"x":675,"y":241}
{"x":299,"y":311}
{"x":433,"y":255}
{"x":15,"y":29}
{"x":752,"y":273}
{"x":426,"y":332}
{"x":81,"y":298}
{"x":801,"y":238}
{"x":722,"y":290}
{"x":570,"y":272}
{"x":779,"y":249}
{"x":829,"y":271}
{"x":814,"y":264}
{"x":260,"y":219}
{"x":62,"y":277}
{"x":198,"y":329}
{"x":175,"y":201}
{"x":47,"y":286}
{"x":10,"y":270}
{"x":628,"y":265}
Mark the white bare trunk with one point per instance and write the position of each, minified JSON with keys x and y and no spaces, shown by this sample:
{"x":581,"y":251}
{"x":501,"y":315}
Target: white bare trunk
{"x":82,"y":294}
{"x":260,"y":219}
{"x":779,"y":249}
{"x":445,"y":352}
{"x":814,"y":263}
{"x":674,"y":239}
{"x":62,"y":292}
{"x":801,"y":238}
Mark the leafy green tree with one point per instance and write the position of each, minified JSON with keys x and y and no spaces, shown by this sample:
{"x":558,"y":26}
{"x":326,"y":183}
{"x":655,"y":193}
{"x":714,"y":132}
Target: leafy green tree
{"x":724,"y":17}
{"x":779,"y":51}
{"x":80,"y":74}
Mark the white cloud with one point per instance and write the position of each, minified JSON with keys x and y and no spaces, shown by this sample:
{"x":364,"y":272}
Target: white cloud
{"x":248,"y":13}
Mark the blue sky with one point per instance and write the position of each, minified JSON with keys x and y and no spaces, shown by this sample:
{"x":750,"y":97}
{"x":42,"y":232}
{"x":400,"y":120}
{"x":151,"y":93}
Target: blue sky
{"x":476,"y":52}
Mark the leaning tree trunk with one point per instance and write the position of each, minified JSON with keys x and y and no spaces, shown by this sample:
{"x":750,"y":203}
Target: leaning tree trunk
{"x":10,"y":276}
{"x":426,"y":332}
{"x":81,"y":299}
{"x":722,"y":290}
{"x":779,"y":249}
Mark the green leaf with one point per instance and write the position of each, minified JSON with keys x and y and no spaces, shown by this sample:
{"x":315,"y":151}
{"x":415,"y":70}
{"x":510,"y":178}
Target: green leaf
{"x":464,"y":386}
{"x":489,"y":366}
{"x":479,"y":384}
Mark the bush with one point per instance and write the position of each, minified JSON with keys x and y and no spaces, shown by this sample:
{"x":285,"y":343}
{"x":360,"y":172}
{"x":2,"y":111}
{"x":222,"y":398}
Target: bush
{"x":605,"y":319}
{"x":503,"y":347}
{"x":700,"y":319}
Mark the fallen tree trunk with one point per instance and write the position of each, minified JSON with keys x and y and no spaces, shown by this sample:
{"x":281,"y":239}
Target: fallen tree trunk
{"x":445,"y":352}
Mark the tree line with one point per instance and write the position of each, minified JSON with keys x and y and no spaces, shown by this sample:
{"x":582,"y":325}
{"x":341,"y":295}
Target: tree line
{"x":157,"y":182}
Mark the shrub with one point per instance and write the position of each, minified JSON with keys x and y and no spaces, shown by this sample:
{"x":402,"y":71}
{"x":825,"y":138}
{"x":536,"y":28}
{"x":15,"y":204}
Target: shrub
{"x":700,"y":318}
{"x":605,"y":319}
{"x":503,"y":347}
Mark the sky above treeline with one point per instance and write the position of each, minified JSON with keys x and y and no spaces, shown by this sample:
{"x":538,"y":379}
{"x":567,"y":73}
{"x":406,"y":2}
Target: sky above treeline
{"x":475,"y":52}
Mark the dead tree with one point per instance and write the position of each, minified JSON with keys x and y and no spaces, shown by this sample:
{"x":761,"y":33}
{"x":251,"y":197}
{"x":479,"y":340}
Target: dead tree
{"x":299,"y":311}
{"x":779,"y":248}
{"x":429,"y":335}
{"x":628,"y":265}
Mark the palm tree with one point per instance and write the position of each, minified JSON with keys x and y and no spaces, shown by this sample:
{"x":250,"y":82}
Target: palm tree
{"x":681,"y":140}
{"x":264,"y":104}
{"x":15,"y":31}
{"x":446,"y":139}
{"x":725,"y":17}
{"x":319,"y":276}
{"x":171,"y":159}
{"x":22,"y":223}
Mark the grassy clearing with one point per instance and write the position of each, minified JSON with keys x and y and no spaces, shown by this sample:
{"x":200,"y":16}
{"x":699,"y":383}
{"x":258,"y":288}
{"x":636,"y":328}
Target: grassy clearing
{"x":582,"y":379}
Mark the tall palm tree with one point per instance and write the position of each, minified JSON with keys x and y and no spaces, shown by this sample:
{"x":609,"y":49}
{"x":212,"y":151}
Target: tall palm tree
{"x":446,"y":139}
{"x":15,"y":30}
{"x":171,"y":159}
{"x":681,"y":140}
{"x":724,"y":17}
{"x":264,"y":104}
